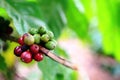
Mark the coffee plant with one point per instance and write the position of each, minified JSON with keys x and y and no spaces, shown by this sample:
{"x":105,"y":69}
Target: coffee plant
{"x":29,"y":30}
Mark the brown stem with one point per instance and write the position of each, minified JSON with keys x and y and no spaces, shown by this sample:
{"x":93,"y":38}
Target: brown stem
{"x":57,"y":58}
{"x":47,"y":53}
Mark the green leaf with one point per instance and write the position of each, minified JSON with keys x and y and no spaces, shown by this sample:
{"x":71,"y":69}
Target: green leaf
{"x":108,"y":18}
{"x":117,"y":30}
{"x":54,"y":15}
{"x":24,"y":14}
{"x":61,"y":51}
{"x":3,"y":65}
{"x":3,"y":13}
{"x":105,"y":24}
{"x":77,"y":21}
{"x":54,"y":71}
{"x":48,"y":68}
{"x":89,"y":8}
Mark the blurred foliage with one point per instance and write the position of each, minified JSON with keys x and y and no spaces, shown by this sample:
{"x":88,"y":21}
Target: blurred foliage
{"x":8,"y":54}
{"x":3,"y":67}
{"x":93,"y":21}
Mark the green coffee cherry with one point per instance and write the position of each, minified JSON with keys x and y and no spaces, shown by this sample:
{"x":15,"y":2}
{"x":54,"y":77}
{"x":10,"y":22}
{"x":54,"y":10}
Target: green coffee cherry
{"x":42,"y":30}
{"x":33,"y":31}
{"x":28,"y":39}
{"x":50,"y":45}
{"x":45,"y":38}
{"x":50,"y":33}
{"x":53,"y":40}
{"x":37,"y":38}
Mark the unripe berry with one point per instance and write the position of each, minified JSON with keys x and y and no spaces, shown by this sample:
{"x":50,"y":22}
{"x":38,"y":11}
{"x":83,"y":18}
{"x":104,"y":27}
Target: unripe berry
{"x":18,"y":51}
{"x":37,"y":38}
{"x":53,"y":40}
{"x":50,"y":34}
{"x":45,"y":38}
{"x":28,"y":39}
{"x":42,"y":30}
{"x":33,"y":31}
{"x":21,"y":40}
{"x":34,"y":48}
{"x":38,"y":57}
{"x":26,"y":57}
{"x":50,"y":45}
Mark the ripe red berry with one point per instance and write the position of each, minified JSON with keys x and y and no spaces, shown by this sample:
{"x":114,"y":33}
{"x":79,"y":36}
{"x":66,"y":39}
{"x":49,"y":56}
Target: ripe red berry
{"x":18,"y":51}
{"x":34,"y":48}
{"x":21,"y":40}
{"x":26,"y":57}
{"x":38,"y":57}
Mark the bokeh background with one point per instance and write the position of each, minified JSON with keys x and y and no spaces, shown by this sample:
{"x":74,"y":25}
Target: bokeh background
{"x":87,"y":31}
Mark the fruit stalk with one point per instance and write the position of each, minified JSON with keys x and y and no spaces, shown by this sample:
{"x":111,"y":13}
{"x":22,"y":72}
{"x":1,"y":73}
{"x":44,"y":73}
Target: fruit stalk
{"x":58,"y":59}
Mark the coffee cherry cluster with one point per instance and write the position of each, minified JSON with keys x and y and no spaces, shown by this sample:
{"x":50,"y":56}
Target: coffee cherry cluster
{"x":5,"y":27}
{"x":43,"y":37}
{"x":29,"y":44}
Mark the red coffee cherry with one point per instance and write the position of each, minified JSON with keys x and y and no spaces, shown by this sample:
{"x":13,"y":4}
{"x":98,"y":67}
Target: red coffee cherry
{"x":38,"y":57}
{"x":21,"y":40}
{"x":18,"y":51}
{"x":34,"y":48}
{"x":26,"y":57}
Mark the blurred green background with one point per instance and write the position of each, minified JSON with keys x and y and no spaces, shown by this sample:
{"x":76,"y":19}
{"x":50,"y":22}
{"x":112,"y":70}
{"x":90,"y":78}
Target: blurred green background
{"x":95,"y":22}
